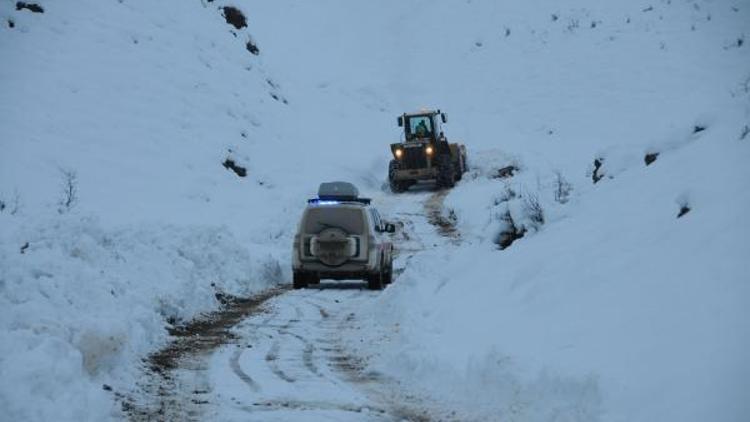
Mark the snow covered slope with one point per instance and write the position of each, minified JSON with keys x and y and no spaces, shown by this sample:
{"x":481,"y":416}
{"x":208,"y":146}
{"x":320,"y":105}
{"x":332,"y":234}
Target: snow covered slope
{"x":612,"y":308}
{"x":118,"y":216}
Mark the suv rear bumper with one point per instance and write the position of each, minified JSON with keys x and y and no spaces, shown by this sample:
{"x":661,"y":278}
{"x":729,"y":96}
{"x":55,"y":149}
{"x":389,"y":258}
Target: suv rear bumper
{"x":345,"y":272}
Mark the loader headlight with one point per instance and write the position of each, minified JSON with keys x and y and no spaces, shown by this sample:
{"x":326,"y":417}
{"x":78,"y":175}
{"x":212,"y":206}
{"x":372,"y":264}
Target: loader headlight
{"x":428,"y":150}
{"x":399,"y":153}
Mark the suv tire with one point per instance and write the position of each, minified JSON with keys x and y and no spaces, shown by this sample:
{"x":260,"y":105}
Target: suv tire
{"x":313,"y":278}
{"x":299,"y":280}
{"x":388,"y":274}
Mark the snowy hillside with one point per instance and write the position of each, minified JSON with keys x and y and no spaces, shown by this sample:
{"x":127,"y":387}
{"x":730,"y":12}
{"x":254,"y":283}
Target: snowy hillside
{"x":155,"y":157}
{"x":119,"y":216}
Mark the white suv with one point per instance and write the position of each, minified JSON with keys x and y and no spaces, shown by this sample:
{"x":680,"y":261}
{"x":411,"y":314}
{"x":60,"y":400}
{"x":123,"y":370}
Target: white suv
{"x":341,"y":236}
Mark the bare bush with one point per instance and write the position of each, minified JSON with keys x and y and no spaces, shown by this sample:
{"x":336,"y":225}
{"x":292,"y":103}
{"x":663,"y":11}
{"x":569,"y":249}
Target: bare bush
{"x":573,"y":24}
{"x":506,"y":196}
{"x":69,"y":195}
{"x":15,"y":203}
{"x":533,"y":210}
{"x":510,"y":232}
{"x":562,"y":188}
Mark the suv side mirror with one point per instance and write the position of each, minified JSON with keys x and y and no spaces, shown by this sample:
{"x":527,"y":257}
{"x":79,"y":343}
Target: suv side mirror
{"x":400,"y":121}
{"x":390,"y":228}
{"x":444,"y":117}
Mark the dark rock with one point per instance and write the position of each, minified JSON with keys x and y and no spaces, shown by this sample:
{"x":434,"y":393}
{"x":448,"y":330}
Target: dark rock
{"x":229,"y":164}
{"x":698,"y":128}
{"x":650,"y":157}
{"x":506,"y":172}
{"x":683,"y":210}
{"x":235,"y":17}
{"x":33,"y":7}
{"x":252,"y":48}
{"x":595,"y":176}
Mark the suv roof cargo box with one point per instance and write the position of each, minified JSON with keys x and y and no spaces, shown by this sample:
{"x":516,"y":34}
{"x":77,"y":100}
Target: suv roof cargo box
{"x":340,"y":191}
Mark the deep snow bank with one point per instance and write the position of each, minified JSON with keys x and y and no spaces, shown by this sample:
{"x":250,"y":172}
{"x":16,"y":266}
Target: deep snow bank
{"x":81,"y":304}
{"x":610,"y":307}
{"x":117,"y":216}
{"x":614,"y":309}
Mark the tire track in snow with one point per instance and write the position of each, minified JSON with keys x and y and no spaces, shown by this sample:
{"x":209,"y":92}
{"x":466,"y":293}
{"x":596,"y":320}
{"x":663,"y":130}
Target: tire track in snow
{"x":234,"y":363}
{"x":272,"y":358}
{"x":302,"y":405}
{"x":174,"y":385}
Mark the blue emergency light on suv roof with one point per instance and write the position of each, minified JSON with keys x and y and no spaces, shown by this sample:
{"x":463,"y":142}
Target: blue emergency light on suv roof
{"x":335,"y":200}
{"x":332,"y":193}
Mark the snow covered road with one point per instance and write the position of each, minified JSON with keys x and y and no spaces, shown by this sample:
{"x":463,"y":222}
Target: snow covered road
{"x":282,"y":355}
{"x":290,"y":365}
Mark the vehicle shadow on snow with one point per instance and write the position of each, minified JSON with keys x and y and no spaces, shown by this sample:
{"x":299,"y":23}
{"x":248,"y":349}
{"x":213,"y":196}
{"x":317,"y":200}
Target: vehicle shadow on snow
{"x":423,"y":187}
{"x":339,"y":285}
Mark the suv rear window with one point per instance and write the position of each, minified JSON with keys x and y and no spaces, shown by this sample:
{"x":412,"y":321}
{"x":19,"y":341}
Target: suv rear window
{"x":348,"y":219}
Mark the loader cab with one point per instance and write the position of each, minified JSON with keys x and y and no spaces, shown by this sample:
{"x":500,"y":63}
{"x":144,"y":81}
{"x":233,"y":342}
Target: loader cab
{"x":423,"y":126}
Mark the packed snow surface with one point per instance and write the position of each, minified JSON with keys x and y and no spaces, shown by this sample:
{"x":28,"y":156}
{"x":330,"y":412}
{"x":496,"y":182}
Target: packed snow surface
{"x":125,"y":126}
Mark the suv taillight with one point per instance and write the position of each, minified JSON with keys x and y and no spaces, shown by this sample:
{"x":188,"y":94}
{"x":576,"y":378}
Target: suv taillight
{"x":306,"y":251}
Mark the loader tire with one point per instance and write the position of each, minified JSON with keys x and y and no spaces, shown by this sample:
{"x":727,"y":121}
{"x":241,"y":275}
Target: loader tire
{"x":460,"y":168}
{"x":446,"y":177}
{"x":397,"y":186}
{"x":375,"y":281}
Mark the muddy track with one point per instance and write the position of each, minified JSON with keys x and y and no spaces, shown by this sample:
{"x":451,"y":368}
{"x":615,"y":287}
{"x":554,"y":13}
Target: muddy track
{"x":190,"y":342}
{"x":208,"y":332}
{"x":446,"y":226}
